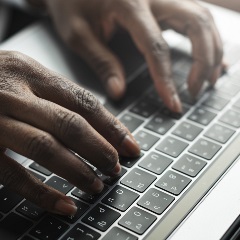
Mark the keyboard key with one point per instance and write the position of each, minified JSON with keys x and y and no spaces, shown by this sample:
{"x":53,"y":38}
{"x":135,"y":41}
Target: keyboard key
{"x":237,"y":103}
{"x":144,"y":108}
{"x":129,"y":162}
{"x":215,"y":102}
{"x":172,"y":146}
{"x":138,"y":180}
{"x":165,"y":111}
{"x":137,"y":220}
{"x":186,"y":97}
{"x":119,"y":234}
{"x":145,"y":140}
{"x":160,"y":124}
{"x":229,"y":89}
{"x":231,"y":118}
{"x":156,"y":201}
{"x":8,"y":200}
{"x":202,"y":116}
{"x":205,"y":149}
{"x":101,"y":217}
{"x":120,"y":198}
{"x":88,"y":197}
{"x":187,"y":131}
{"x":155,"y":163}
{"x":38,"y":176}
{"x":81,"y":232}
{"x":40,"y":169}
{"x":81,"y":209}
{"x":173,"y":182}
{"x":59,"y":184}
{"x":13,"y":226}
{"x":30,"y":210}
{"x":131,"y":122}
{"x":1,"y":216}
{"x":110,"y":180}
{"x":189,"y":165}
{"x":219,"y":133}
{"x":49,"y":228}
{"x":27,"y":238}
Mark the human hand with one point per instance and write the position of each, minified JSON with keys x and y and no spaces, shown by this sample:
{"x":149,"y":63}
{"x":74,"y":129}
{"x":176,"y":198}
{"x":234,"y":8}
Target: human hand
{"x":86,"y":26}
{"x":43,"y":116}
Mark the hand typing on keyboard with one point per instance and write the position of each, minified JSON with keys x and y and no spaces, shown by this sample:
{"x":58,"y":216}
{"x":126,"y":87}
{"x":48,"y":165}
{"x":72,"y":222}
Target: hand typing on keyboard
{"x":43,"y":116}
{"x":86,"y":26}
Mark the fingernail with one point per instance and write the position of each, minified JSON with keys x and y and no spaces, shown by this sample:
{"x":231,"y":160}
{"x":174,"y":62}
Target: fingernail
{"x":117,"y":169}
{"x":64,"y":207}
{"x":130,"y":146}
{"x":115,"y":87}
{"x":176,"y":105}
{"x":97,"y":185}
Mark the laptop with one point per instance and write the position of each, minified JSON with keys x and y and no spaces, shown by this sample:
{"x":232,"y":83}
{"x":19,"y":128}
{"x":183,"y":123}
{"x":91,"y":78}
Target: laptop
{"x":185,"y":184}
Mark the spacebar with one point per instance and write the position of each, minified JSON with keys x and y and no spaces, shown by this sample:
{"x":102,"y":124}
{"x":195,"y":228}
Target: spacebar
{"x":195,"y":193}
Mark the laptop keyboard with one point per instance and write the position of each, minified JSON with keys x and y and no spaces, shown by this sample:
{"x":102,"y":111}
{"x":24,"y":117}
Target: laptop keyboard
{"x":175,"y":150}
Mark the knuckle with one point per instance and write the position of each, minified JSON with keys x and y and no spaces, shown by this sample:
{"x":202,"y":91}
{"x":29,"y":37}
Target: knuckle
{"x":68,"y":123}
{"x":112,"y":156}
{"x":160,"y":49}
{"x":219,"y":55}
{"x":40,"y":147}
{"x":86,"y":101}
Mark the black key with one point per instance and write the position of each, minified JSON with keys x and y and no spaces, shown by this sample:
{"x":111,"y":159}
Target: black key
{"x":189,"y":165}
{"x":88,"y":197}
{"x":219,"y":133}
{"x":101,"y":217}
{"x":165,"y":111}
{"x":81,"y":232}
{"x":160,"y":124}
{"x":155,"y":162}
{"x":8,"y":200}
{"x":129,"y":162}
{"x":187,"y":131}
{"x":155,"y":201}
{"x":81,"y":209}
{"x":202,"y":116}
{"x":137,"y":220}
{"x":38,"y":176}
{"x":231,"y":118}
{"x":144,"y":108}
{"x":138,"y":180}
{"x":59,"y":184}
{"x":131,"y":122}
{"x":205,"y":149}
{"x":40,"y":169}
{"x":1,"y":216}
{"x":172,"y":146}
{"x":13,"y":226}
{"x":215,"y":102}
{"x":30,"y":210}
{"x":120,"y":198}
{"x":154,"y":98}
{"x":119,"y":234}
{"x":27,"y":238}
{"x":145,"y":140}
{"x":173,"y":182}
{"x":49,"y":228}
{"x":110,"y":180}
{"x":186,"y":97}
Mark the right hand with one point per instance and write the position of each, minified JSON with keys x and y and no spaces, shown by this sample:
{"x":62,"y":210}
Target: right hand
{"x":43,"y":116}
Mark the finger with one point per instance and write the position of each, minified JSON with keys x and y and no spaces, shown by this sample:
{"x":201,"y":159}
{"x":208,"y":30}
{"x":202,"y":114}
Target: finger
{"x":16,"y":178}
{"x":107,"y":67}
{"x":63,"y":92}
{"x":197,"y":23}
{"x":73,"y":131}
{"x":147,"y":35}
{"x":48,"y":152}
